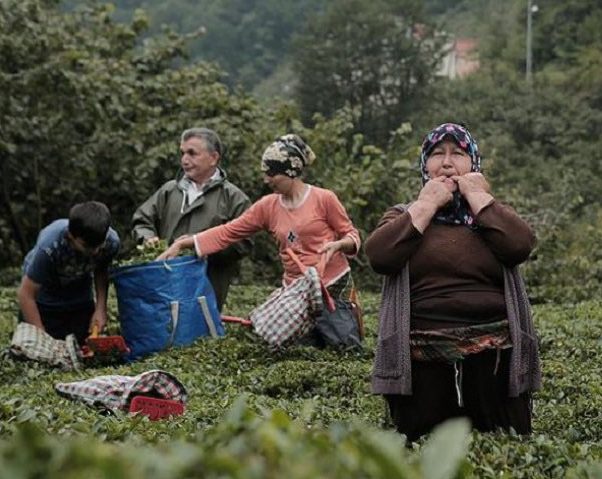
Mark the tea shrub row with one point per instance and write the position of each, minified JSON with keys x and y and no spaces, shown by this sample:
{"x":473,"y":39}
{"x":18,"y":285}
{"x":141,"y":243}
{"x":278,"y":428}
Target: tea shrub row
{"x":304,"y":412}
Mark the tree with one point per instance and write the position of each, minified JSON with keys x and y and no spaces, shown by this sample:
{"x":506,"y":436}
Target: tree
{"x":563,"y":31}
{"x":248,"y":38}
{"x":377,"y":57}
{"x":89,"y":111}
{"x":92,"y":110}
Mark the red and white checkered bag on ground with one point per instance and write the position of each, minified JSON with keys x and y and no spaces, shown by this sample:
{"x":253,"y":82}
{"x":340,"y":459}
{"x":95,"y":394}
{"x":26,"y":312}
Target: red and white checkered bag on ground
{"x":116,"y":392}
{"x":30,"y":342}
{"x":290,"y":312}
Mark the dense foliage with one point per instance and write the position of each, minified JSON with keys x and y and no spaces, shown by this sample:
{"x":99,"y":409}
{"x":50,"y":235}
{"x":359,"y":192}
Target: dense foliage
{"x":378,"y":57}
{"x":248,"y":38}
{"x":297,"y":403}
{"x":98,"y":115}
{"x":96,"y":108}
{"x":89,"y":112}
{"x":244,"y":445}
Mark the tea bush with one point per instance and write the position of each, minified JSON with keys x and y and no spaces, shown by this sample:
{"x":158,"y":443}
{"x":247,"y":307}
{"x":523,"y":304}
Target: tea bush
{"x":305,"y":413}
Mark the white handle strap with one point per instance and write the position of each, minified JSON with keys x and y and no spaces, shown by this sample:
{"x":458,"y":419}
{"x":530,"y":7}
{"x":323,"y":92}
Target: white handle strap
{"x":175,"y":312}
{"x":207,"y":315}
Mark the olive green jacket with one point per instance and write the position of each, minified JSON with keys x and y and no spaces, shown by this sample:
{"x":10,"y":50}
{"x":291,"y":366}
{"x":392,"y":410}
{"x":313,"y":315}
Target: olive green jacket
{"x":167,"y":215}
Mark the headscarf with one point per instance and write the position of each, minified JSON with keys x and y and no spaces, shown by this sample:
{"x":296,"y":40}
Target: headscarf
{"x":457,"y":212}
{"x":288,"y":155}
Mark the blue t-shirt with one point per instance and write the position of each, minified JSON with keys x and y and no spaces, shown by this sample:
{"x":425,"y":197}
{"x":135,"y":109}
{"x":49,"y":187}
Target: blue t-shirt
{"x":65,"y":275}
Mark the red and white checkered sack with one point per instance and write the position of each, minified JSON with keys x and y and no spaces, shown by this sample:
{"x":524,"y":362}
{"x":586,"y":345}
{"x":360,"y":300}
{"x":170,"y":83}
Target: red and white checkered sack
{"x":290,"y":312}
{"x":31,"y":343}
{"x":115,"y":392}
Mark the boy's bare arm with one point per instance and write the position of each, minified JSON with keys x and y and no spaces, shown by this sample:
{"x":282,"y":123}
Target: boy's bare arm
{"x":27,"y":294}
{"x":101,"y":286}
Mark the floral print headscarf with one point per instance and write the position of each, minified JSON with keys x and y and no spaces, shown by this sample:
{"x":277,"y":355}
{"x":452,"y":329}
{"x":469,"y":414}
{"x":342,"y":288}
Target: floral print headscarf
{"x":457,"y":212}
{"x":288,"y":155}
{"x":458,"y":134}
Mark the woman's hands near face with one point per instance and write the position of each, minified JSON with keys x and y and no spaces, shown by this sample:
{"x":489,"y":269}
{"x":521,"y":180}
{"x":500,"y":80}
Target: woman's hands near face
{"x":438,"y":191}
{"x":435,"y":194}
{"x":472,"y":183}
{"x":475,"y":188}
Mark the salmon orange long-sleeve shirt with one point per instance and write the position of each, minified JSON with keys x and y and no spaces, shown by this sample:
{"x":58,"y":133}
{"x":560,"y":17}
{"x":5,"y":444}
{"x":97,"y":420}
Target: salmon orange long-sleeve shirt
{"x":319,"y":219}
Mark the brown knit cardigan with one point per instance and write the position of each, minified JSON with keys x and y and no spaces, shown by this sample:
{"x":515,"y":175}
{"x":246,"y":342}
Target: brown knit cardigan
{"x":392,"y":373}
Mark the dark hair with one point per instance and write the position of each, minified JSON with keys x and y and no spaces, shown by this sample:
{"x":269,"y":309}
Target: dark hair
{"x":90,"y":221}
{"x":210,"y":137}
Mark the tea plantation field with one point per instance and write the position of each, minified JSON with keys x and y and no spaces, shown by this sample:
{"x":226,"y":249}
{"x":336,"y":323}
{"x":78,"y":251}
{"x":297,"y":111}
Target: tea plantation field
{"x":302,"y":413}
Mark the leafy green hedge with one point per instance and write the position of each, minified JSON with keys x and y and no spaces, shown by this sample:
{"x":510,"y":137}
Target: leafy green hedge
{"x":244,"y":445}
{"x":307,"y":412}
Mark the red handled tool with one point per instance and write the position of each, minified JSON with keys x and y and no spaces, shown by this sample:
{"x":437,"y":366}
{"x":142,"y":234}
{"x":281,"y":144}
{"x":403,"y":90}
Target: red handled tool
{"x":236,"y":319}
{"x":106,"y":346}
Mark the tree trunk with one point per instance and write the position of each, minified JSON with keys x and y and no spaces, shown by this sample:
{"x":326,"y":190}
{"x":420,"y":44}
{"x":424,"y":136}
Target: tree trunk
{"x":17,"y":227}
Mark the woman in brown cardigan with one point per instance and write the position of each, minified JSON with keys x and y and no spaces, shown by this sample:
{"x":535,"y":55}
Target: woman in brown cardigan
{"x":456,"y":336}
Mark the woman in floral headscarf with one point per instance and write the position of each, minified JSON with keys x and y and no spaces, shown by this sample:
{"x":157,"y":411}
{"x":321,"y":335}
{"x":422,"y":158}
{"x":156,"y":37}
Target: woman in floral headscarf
{"x":309,"y":220}
{"x":456,"y":336}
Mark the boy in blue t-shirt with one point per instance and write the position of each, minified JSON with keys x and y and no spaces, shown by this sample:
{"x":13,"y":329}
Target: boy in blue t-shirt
{"x":56,"y":289}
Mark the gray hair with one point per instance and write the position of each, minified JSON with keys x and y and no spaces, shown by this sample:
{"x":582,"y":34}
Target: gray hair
{"x":210,"y":137}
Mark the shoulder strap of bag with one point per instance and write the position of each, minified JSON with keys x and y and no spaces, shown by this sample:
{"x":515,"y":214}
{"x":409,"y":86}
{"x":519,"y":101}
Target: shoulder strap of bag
{"x":296,"y":259}
{"x":319,"y":267}
{"x":354,"y":299}
{"x":328,"y":301}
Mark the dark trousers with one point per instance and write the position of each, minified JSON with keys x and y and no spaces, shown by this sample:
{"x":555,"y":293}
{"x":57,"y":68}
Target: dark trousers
{"x":484,"y":394}
{"x":59,"y":324}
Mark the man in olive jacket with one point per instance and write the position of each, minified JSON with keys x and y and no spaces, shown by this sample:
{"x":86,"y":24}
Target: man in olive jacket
{"x":199,"y":198}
